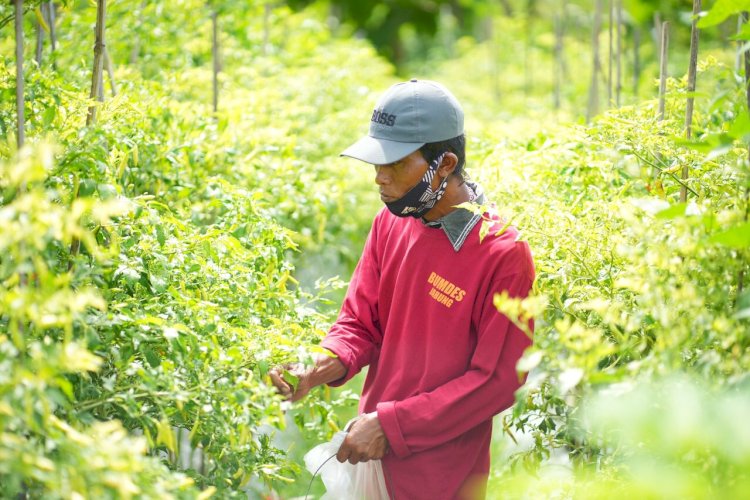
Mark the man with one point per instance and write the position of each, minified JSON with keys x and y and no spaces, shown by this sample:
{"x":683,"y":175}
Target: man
{"x":419,"y":309}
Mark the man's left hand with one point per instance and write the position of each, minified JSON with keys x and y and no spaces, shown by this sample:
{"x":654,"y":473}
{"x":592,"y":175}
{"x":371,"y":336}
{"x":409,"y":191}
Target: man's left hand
{"x":364,"y":441}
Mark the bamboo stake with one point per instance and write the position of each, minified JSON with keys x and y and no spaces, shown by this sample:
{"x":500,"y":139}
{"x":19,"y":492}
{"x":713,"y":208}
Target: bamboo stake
{"x":110,"y":73}
{"x":21,"y":120}
{"x":136,"y":49}
{"x":694,"y":32}
{"x":51,"y":22}
{"x":52,"y":33}
{"x":593,"y":107}
{"x":494,"y":57}
{"x":96,"y":93}
{"x":611,"y":51}
{"x":618,"y":23}
{"x":559,"y":63}
{"x":528,"y":65}
{"x":100,"y":86}
{"x":656,"y":30}
{"x":266,"y":26}
{"x":744,"y":17}
{"x":636,"y":60}
{"x":39,"y":42}
{"x":663,"y":52}
{"x":738,"y":58}
{"x":215,"y":54}
{"x":96,"y":77}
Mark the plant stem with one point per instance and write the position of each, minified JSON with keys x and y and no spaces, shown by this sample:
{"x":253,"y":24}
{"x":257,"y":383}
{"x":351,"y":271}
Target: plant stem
{"x":663,"y":170}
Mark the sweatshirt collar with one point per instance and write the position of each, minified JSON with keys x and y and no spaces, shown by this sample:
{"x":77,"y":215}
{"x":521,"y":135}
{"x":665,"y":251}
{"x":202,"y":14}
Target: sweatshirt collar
{"x":458,"y":224}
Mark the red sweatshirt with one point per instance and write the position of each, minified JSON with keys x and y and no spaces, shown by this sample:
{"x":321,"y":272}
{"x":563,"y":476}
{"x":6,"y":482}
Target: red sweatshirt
{"x":441,"y":357}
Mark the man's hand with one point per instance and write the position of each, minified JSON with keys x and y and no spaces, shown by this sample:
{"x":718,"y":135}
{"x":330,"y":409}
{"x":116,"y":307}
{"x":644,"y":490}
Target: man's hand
{"x":303,"y":378}
{"x":364,"y":441}
{"x":292,"y":390}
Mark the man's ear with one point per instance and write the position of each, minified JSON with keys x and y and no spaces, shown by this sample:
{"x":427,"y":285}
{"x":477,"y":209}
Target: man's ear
{"x":448,"y":165}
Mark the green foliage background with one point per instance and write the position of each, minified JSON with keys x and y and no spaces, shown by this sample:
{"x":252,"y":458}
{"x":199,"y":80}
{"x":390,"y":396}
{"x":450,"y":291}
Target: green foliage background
{"x":210,"y":246}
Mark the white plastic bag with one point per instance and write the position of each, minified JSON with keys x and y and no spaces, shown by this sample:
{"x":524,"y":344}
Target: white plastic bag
{"x":363,"y":481}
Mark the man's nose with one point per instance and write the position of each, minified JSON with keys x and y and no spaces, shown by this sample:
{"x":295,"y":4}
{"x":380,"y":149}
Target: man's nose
{"x":381,"y":175}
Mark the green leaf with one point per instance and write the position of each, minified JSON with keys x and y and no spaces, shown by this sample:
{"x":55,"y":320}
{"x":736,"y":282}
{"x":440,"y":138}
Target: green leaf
{"x":735,"y":237}
{"x":151,"y":357}
{"x":290,"y":378}
{"x":740,"y":127}
{"x":49,"y":116}
{"x":721,"y":10}
{"x":160,"y":234}
{"x":484,"y":230}
{"x":165,"y":435}
{"x":673,"y":212}
{"x":86,"y":188}
{"x":106,"y":191}
{"x":263,"y":367}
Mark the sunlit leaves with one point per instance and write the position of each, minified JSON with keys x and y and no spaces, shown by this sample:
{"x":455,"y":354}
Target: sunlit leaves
{"x":722,"y":9}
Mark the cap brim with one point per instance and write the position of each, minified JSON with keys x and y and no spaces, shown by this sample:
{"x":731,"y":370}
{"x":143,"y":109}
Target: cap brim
{"x":380,"y":151}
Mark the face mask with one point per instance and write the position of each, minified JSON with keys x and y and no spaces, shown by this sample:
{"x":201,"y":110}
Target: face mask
{"x":421,"y":198}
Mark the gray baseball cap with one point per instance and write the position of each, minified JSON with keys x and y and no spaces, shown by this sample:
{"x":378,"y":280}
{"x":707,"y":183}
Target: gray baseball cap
{"x":406,"y":117}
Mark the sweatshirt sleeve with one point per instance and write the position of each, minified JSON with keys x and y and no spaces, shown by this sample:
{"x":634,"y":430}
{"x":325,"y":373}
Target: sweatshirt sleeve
{"x":355,"y":337}
{"x":432,"y":418}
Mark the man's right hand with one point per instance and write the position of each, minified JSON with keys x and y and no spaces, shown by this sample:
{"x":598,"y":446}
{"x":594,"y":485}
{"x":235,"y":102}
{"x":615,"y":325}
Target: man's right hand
{"x":325,"y":369}
{"x":290,"y":390}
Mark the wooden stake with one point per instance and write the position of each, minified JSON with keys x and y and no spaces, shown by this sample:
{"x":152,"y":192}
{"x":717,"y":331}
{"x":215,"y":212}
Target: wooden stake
{"x":618,"y":23}
{"x":738,"y":58}
{"x":528,"y":65}
{"x":96,"y":93}
{"x":215,"y":54}
{"x":494,"y":57}
{"x":694,"y":32}
{"x":100,"y":85}
{"x":636,"y":60}
{"x":266,"y":26}
{"x":136,"y":49}
{"x":96,"y":77}
{"x":663,"y":52}
{"x":656,"y":31}
{"x":744,"y":17}
{"x":52,"y":32}
{"x":593,"y":107}
{"x":559,"y":55}
{"x":39,"y":42}
{"x":110,"y":72}
{"x":611,"y":51}
{"x":20,"y":133}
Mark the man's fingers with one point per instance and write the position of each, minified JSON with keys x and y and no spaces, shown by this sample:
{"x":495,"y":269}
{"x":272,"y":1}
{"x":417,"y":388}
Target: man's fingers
{"x":281,"y":385}
{"x":343,"y":454}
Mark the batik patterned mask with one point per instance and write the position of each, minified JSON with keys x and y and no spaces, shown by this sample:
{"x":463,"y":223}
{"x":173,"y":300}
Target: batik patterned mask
{"x":421,"y":198}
